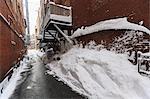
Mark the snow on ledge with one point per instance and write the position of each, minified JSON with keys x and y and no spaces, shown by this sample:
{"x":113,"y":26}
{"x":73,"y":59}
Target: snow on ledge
{"x":119,"y":23}
{"x":62,"y":6}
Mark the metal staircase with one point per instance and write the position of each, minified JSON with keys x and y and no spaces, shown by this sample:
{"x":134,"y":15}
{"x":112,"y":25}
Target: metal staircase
{"x":56,"y":25}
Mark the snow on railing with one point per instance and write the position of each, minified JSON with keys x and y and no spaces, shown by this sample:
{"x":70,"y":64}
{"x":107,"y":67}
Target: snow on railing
{"x":62,"y":6}
{"x":143,"y":61}
{"x":57,"y":12}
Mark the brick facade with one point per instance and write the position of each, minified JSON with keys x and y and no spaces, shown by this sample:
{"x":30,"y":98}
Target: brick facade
{"x":12,"y":31}
{"x":89,"y":12}
{"x":62,"y":2}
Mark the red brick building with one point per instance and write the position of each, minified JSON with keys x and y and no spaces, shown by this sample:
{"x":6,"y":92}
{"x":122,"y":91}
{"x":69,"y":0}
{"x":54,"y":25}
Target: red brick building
{"x":89,"y":12}
{"x":12,"y":31}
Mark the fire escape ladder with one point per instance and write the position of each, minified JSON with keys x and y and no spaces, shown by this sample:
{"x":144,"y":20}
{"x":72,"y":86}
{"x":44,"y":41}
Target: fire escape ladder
{"x":63,"y":34}
{"x":56,"y":23}
{"x":54,"y":36}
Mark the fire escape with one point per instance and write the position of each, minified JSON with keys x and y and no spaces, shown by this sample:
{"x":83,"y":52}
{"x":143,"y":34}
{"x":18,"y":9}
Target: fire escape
{"x":56,"y":25}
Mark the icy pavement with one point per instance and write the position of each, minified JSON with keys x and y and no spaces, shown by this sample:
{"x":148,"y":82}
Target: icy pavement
{"x":37,"y":84}
{"x":19,"y":74}
{"x":100,"y":75}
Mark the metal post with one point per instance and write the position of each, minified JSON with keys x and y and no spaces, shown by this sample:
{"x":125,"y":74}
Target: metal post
{"x":28,"y":25}
{"x":138,"y":61}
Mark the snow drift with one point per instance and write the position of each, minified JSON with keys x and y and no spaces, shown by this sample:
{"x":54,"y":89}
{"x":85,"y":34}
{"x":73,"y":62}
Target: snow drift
{"x":100,"y":75}
{"x":114,"y":24}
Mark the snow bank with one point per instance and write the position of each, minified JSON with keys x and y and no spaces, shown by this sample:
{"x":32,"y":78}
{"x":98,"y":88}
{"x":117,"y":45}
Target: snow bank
{"x":115,"y":24}
{"x":9,"y":87}
{"x":17,"y":77}
{"x":100,"y":75}
{"x":34,"y":53}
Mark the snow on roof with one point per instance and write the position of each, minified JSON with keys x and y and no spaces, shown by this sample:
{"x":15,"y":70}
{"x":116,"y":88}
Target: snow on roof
{"x":119,"y":23}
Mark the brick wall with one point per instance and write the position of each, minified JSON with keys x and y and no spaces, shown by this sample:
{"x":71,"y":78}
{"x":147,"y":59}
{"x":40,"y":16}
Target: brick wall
{"x":11,"y":35}
{"x":88,"y":12}
{"x":62,"y":2}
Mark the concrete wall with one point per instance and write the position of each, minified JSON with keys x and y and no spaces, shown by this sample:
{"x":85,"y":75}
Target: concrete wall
{"x":12,"y":32}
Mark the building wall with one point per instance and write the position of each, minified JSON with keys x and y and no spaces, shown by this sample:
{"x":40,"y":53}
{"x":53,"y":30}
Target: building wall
{"x":62,"y":2}
{"x":12,"y":31}
{"x":100,"y":36}
{"x":88,"y":12}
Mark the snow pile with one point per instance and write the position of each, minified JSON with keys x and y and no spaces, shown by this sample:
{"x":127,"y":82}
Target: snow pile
{"x":100,"y":75}
{"x":35,"y":53}
{"x":132,"y":38}
{"x":115,"y":24}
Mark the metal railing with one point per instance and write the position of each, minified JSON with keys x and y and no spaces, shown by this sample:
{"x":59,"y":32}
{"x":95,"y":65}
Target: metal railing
{"x":59,"y":9}
{"x":143,"y":61}
{"x":58,"y":13}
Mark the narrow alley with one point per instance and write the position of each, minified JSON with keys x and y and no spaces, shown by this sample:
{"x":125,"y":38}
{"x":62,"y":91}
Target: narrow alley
{"x":39,"y":85}
{"x":74,"y":49}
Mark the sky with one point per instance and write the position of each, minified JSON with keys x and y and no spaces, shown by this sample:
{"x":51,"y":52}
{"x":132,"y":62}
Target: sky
{"x":33,"y":12}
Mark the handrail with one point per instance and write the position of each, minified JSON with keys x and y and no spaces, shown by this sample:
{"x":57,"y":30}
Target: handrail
{"x":62,"y":6}
{"x":143,"y":59}
{"x":58,"y":13}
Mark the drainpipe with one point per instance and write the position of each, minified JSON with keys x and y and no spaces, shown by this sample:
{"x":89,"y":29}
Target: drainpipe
{"x":28,"y":24}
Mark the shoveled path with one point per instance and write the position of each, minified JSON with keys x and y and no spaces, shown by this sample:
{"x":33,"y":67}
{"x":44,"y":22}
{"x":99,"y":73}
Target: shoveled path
{"x":41,"y":86}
